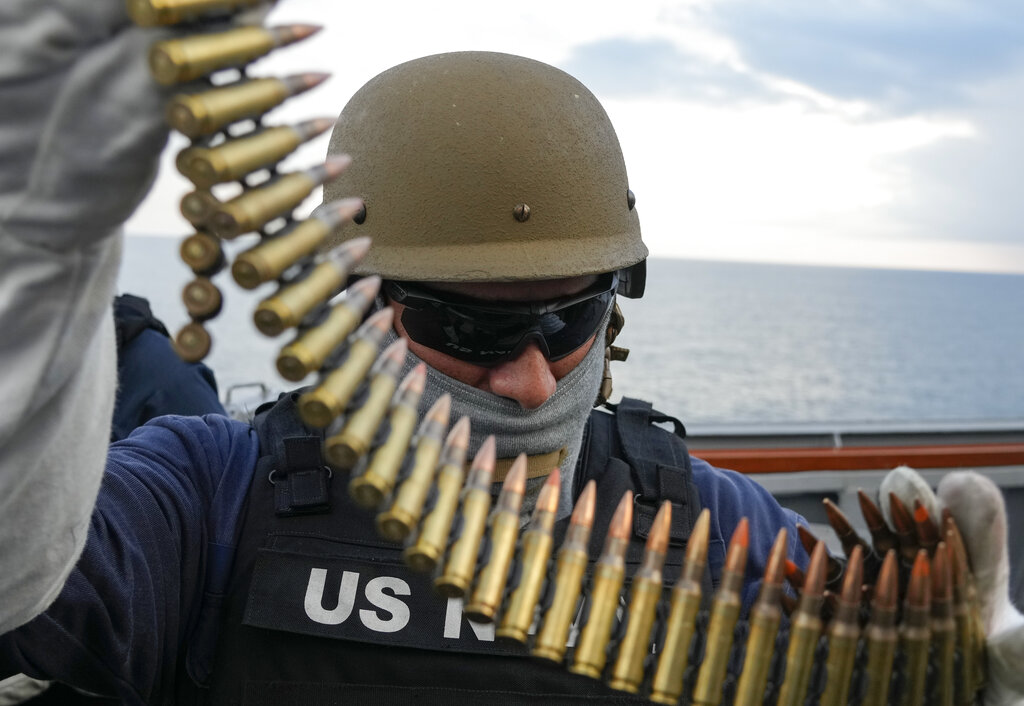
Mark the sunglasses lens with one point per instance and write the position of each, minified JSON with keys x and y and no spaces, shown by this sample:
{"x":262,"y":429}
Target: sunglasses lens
{"x":489,"y":334}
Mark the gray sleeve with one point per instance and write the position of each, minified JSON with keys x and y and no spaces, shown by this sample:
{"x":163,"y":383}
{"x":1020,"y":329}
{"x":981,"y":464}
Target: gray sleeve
{"x":81,"y":130}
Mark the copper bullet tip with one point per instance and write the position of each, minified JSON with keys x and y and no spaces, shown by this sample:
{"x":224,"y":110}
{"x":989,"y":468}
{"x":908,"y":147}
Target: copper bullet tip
{"x":657,"y":539}
{"x":482,"y":468}
{"x":380,"y":320}
{"x":583,"y":513}
{"x":303,"y":31}
{"x":807,"y":538}
{"x":396,"y":351}
{"x":335,"y":165}
{"x":548,"y":499}
{"x":414,"y":381}
{"x":853,"y":578}
{"x":887,"y":585}
{"x":342,"y":211}
{"x":919,"y":588}
{"x":947,"y":516}
{"x":814,"y":584}
{"x":459,"y":434}
{"x":356,"y":248}
{"x":901,"y":516}
{"x":741,"y":535}
{"x":440,"y":411}
{"x":872,"y":515}
{"x":697,"y":544}
{"x":837,"y":519}
{"x":311,"y":79}
{"x":942,"y":574}
{"x":622,"y":521}
{"x":958,"y":555}
{"x":365,"y":288}
{"x":315,"y":126}
{"x":774,"y":570}
{"x":515,"y":481}
{"x":736,"y":555}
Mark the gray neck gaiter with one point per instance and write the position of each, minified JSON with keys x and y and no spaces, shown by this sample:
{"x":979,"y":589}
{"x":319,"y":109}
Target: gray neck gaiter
{"x":557,"y":423}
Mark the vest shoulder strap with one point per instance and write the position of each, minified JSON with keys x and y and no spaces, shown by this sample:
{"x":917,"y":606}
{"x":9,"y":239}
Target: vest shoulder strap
{"x":657,"y":459}
{"x":291,"y":456}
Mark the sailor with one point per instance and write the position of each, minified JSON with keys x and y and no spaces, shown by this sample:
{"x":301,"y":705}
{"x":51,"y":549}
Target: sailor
{"x":504,"y":227}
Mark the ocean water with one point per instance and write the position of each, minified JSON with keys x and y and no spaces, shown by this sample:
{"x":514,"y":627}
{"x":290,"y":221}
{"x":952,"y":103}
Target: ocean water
{"x":729,"y":343}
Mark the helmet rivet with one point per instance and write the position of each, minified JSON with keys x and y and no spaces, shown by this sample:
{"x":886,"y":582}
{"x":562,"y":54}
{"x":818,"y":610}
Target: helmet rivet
{"x":360,"y":216}
{"x":521,"y":212}
{"x":630,"y":199}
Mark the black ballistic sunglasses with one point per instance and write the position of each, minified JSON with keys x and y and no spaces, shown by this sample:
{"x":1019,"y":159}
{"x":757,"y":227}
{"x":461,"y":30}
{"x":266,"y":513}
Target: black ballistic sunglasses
{"x":490,"y":332}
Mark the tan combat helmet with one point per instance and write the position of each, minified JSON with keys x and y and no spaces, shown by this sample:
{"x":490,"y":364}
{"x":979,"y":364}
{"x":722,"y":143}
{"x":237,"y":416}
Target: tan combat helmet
{"x":478,"y":166}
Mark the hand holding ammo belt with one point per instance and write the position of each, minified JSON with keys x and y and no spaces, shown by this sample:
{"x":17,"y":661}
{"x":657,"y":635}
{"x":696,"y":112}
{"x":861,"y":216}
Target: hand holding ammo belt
{"x":896,"y":622}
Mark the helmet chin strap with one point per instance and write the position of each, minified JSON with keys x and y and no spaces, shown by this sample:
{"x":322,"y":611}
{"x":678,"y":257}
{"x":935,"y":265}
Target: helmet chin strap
{"x":616,"y":321}
{"x":551,"y":435}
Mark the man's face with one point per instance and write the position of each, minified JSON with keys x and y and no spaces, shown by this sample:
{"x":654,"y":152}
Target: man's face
{"x":529,"y":378}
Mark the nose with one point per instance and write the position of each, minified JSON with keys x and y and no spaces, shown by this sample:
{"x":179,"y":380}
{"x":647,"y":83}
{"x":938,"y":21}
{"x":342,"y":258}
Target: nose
{"x":527,"y":379}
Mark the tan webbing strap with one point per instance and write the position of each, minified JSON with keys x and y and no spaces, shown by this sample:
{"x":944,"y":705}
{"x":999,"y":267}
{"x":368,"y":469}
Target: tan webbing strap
{"x":537,"y":466}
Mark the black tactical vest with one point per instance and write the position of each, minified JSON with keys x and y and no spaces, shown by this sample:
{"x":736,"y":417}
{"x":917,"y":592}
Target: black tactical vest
{"x":321,"y":610}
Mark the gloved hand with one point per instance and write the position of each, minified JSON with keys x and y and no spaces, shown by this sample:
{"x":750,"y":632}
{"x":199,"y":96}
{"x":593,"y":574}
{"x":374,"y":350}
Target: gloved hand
{"x":81,"y":130}
{"x":980,"y":513}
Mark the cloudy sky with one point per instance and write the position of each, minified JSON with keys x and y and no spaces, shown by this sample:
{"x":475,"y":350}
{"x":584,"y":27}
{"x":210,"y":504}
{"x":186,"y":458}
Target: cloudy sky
{"x":810,"y":131}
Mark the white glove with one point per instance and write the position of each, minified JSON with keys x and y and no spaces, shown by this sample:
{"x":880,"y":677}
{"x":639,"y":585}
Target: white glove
{"x":81,"y":129}
{"x":980,"y":513}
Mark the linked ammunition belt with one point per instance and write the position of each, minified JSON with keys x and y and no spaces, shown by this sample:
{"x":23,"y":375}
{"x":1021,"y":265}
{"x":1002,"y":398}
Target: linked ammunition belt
{"x":903,"y":627}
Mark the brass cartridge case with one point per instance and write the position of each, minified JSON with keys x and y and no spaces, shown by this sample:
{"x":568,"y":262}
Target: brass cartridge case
{"x":256,"y":207}
{"x":308,"y":352}
{"x":725,"y":611}
{"x":667,"y":684}
{"x":645,"y":593}
{"x":233,"y":159}
{"x":399,"y":521}
{"x":966,"y":676}
{"x":804,"y":631}
{"x":372,"y":487}
{"x":202,"y":299}
{"x":765,"y":618}
{"x":203,"y":253}
{"x":504,"y":531}
{"x":344,"y":449}
{"x":881,"y":634}
{"x":457,"y":575}
{"x":425,"y":553}
{"x":943,"y":627}
{"x":150,"y":13}
{"x":236,"y":157}
{"x":192,"y":343}
{"x":187,"y":58}
{"x":319,"y":407}
{"x":378,"y":480}
{"x":273,"y":256}
{"x":291,"y":304}
{"x":269,"y":259}
{"x":199,"y":206}
{"x":590,"y":655}
{"x":843,"y":633}
{"x":198,"y":114}
{"x":533,"y":563}
{"x":570,"y":567}
{"x":915,"y":631}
